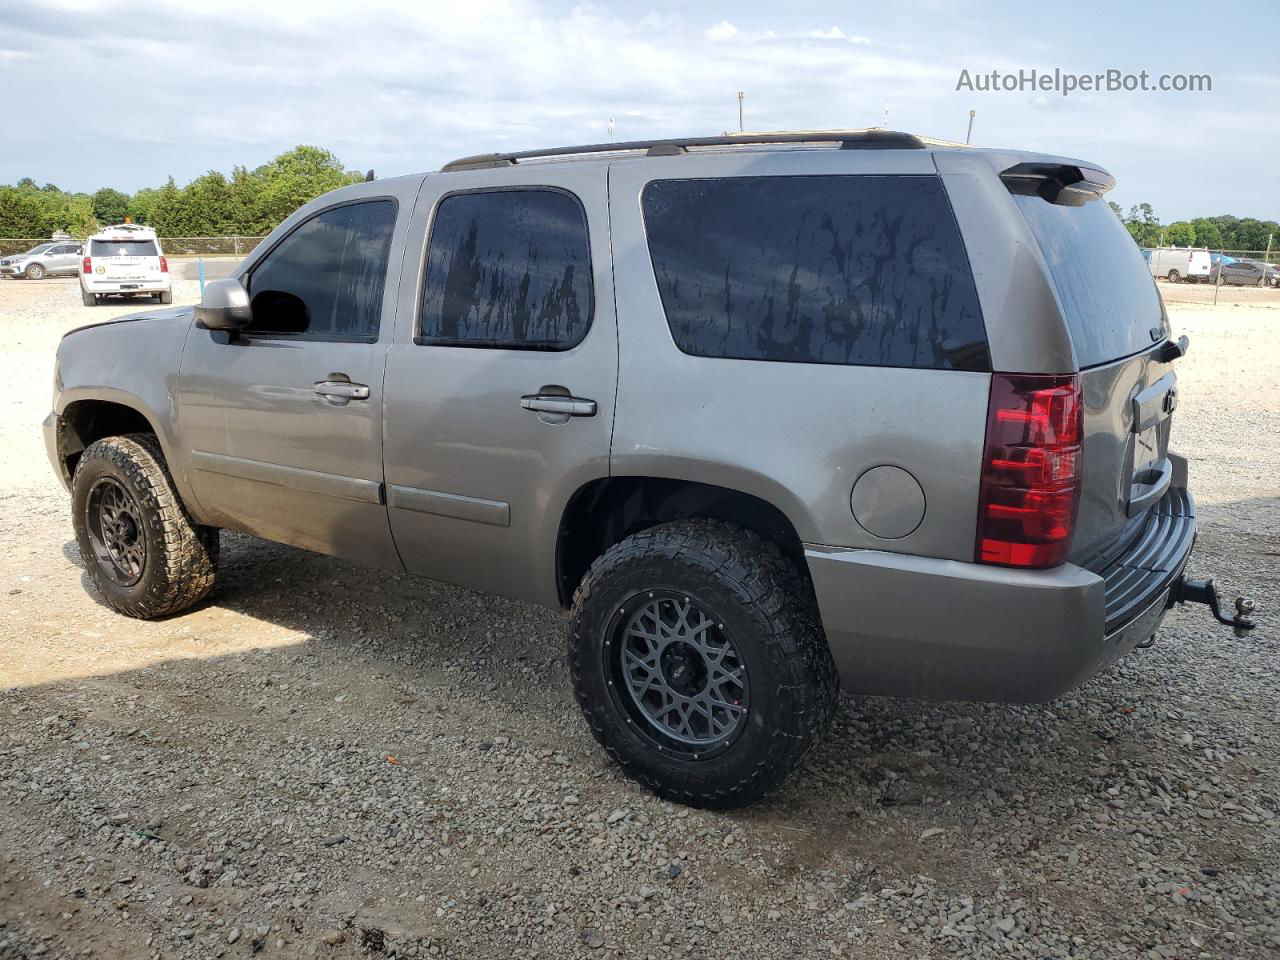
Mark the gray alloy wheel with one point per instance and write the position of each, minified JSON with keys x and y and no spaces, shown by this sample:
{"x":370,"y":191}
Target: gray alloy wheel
{"x":34,"y":271}
{"x":683,"y":678}
{"x":114,"y":525}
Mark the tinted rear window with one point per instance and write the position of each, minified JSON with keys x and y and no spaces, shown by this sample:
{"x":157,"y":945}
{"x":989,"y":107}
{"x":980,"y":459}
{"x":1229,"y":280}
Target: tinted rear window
{"x":864,"y":270}
{"x":123,"y":248}
{"x":1105,"y":286}
{"x":509,"y":269}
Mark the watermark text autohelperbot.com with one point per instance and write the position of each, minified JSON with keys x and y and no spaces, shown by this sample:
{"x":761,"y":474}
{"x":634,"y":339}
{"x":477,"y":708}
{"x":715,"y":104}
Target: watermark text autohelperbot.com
{"x":1066,"y":83}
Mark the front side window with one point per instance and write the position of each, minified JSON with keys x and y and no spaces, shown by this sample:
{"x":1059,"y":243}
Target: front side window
{"x":860,"y":269}
{"x":508,"y":269}
{"x":325,"y":279}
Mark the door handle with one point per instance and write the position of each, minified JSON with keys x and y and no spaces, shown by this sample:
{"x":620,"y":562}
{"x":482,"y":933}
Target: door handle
{"x":555,"y":404}
{"x":341,"y":392}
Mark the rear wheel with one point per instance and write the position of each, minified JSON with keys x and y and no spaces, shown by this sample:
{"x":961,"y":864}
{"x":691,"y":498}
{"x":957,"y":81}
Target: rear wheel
{"x":1174,"y":276}
{"x":699,"y":662}
{"x":140,"y":547}
{"x":34,"y":271}
{"x":87,"y":298}
{"x":165,"y":296}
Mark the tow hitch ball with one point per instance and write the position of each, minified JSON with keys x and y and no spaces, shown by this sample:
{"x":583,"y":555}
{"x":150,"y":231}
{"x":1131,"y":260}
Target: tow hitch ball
{"x":1203,"y":591}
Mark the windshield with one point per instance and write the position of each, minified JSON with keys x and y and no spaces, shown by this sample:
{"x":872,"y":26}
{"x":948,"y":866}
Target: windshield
{"x":1111,"y":303}
{"x":122,"y":248}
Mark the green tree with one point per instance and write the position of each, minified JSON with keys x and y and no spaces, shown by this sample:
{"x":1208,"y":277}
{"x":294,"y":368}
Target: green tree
{"x":170,"y":212}
{"x":21,"y":214}
{"x":293,"y":178}
{"x":1180,"y":234}
{"x":1208,"y":234}
{"x":142,"y":205}
{"x":209,"y":203}
{"x":110,"y":206}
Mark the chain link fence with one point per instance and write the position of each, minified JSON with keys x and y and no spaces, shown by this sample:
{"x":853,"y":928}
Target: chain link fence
{"x":173,"y":246}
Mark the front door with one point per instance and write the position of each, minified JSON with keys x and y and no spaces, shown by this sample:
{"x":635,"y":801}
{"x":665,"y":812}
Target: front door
{"x":500,"y":384}
{"x":283,"y":422}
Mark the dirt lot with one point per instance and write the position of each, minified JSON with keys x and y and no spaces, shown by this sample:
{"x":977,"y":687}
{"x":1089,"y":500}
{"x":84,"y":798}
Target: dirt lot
{"x":335,"y":762}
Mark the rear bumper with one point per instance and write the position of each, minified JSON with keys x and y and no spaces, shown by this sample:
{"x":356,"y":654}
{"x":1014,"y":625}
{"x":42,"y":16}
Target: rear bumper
{"x":125,"y":286}
{"x":941,"y":629}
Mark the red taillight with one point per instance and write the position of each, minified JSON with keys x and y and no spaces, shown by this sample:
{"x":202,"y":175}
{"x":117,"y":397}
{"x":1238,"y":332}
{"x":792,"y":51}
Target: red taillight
{"x":88,"y":265}
{"x":1031,"y":470}
{"x":164,"y":265}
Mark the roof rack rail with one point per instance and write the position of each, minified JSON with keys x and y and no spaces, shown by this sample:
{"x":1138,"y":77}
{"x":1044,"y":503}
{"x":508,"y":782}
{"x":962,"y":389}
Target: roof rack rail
{"x":848,"y":139}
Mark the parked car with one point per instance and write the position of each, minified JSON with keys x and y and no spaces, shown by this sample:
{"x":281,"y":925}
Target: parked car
{"x":1176,"y":264}
{"x":762,"y":413}
{"x":44,"y":260}
{"x":125,"y":260}
{"x":1247,"y":273}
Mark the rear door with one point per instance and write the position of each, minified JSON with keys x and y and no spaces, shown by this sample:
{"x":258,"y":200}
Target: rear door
{"x":64,"y":258}
{"x":1118,"y":325}
{"x":500,"y":385}
{"x":126,"y":260}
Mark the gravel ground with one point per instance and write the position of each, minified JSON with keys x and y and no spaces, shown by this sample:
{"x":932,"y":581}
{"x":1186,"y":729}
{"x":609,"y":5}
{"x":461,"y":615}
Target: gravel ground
{"x":328,"y":761}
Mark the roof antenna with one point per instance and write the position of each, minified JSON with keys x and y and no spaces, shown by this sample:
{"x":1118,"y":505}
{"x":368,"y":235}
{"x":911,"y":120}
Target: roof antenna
{"x":972,"y":114}
{"x":369,"y":176}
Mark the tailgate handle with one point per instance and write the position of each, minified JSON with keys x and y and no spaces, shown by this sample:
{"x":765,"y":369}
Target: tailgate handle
{"x":1143,"y":495}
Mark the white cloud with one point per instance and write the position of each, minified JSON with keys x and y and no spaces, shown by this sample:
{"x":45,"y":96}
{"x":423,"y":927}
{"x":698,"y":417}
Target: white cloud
{"x":724,"y":30}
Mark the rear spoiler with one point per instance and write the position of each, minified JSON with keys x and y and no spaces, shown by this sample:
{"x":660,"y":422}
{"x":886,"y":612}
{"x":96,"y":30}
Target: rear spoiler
{"x":1065,"y":184}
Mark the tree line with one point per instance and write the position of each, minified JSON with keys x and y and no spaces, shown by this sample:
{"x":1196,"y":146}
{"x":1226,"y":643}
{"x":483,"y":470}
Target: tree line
{"x":246,"y":203}
{"x":1216,"y":233}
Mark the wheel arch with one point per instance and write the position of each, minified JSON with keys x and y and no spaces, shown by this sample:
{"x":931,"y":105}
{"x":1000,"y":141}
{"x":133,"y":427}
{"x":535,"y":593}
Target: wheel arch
{"x":83,"y":420}
{"x":606,"y":510}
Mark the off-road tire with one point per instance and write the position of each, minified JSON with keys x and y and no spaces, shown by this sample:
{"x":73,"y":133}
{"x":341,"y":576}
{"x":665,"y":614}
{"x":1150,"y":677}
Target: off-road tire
{"x":770,"y":612}
{"x":34,"y":271}
{"x":165,"y":296}
{"x":181,"y":556}
{"x":87,"y":298}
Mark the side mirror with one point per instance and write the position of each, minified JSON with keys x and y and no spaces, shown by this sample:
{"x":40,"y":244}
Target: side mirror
{"x":224,"y":306}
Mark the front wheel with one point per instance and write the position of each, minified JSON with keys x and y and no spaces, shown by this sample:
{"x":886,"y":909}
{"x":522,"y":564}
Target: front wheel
{"x":699,"y":662}
{"x":140,"y":547}
{"x":35,"y":271}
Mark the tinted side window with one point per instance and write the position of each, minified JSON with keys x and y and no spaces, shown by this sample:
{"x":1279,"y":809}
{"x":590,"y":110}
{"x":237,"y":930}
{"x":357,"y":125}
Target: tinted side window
{"x":325,"y":279}
{"x":824,"y":269}
{"x":508,"y":268}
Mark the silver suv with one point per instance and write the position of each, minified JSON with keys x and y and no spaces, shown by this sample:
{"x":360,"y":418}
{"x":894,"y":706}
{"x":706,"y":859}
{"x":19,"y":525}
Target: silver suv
{"x":765,"y":414}
{"x":58,"y":258}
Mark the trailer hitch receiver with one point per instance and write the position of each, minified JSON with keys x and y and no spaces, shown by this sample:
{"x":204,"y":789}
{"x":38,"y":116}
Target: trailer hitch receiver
{"x":1203,"y":591}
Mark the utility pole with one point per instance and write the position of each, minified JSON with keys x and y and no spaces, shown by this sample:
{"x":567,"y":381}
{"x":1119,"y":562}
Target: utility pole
{"x":969,"y":133}
{"x":741,"y":128}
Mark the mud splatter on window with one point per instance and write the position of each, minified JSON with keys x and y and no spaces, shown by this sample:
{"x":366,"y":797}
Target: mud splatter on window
{"x":865,"y":270}
{"x":508,"y":268}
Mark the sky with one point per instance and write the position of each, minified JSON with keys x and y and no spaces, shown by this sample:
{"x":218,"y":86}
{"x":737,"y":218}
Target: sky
{"x":126,"y":94}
